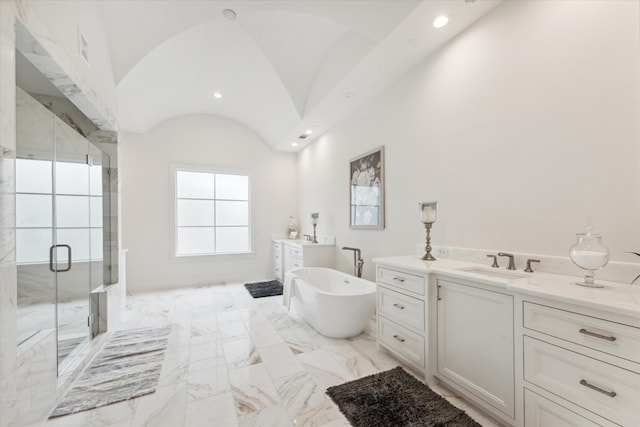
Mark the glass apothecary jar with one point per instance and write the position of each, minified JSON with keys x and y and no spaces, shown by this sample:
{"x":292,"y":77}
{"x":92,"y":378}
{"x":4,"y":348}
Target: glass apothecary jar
{"x":589,"y":254}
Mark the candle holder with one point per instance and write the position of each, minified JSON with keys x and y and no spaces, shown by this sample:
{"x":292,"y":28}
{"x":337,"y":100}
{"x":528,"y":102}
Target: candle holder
{"x":428,"y":214}
{"x":315,"y":217}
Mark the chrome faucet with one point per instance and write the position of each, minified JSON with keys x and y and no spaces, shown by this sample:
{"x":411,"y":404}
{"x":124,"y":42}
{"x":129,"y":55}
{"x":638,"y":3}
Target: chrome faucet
{"x":495,"y":261}
{"x":511,"y":265}
{"x":358,"y":262}
{"x":529,"y":261}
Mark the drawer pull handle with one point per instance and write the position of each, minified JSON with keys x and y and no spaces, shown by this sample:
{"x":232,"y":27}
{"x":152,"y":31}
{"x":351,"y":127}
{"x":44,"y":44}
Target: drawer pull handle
{"x":402,"y":339}
{"x":598,"y":389}
{"x":399,"y":279}
{"x":593,"y":334}
{"x":401,"y":307}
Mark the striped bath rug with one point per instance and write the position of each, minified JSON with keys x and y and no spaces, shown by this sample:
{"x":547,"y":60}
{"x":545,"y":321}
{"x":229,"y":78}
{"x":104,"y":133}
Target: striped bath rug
{"x":127,"y":366}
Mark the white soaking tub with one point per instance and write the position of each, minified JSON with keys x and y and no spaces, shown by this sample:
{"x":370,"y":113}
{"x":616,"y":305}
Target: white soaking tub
{"x":336,"y":304}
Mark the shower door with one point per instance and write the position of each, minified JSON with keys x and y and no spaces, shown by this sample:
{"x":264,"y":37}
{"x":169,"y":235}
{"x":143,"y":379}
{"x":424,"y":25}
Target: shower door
{"x":70,"y":256}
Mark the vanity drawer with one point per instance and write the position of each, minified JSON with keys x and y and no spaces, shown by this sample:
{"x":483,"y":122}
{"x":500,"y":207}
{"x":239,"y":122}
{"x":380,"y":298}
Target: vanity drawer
{"x":295,"y":252}
{"x":277,"y":268}
{"x":401,"y":308}
{"x":296,"y":262}
{"x":541,"y":412}
{"x":599,"y":387}
{"x":401,"y":280}
{"x":602,"y":335}
{"x":401,"y":341}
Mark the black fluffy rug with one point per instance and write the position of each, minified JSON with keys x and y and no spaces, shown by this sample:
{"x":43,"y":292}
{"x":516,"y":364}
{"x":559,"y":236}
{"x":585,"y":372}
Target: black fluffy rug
{"x":264,"y":289}
{"x":395,"y":398}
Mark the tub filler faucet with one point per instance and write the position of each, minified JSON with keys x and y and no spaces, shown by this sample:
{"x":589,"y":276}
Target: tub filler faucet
{"x":358,"y":262}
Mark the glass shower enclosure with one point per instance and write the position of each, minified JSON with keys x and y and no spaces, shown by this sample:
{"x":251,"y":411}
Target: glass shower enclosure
{"x":61,"y":237}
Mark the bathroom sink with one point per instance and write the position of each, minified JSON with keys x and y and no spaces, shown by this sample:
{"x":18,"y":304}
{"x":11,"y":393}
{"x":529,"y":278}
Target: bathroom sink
{"x":301,"y":242}
{"x":497,"y":274}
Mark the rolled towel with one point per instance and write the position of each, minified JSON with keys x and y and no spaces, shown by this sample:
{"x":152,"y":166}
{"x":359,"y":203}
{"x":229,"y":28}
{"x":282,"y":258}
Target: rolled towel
{"x":289,"y":289}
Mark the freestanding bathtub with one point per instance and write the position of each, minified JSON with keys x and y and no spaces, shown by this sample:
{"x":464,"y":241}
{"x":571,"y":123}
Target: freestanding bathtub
{"x":336,"y":304}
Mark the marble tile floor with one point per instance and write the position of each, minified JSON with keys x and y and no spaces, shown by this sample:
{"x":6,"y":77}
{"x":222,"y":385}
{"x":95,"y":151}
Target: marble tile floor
{"x":237,"y":361}
{"x":71,"y":318}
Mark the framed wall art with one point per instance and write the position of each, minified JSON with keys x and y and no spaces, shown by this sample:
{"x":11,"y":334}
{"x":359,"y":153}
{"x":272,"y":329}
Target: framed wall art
{"x":367,"y":190}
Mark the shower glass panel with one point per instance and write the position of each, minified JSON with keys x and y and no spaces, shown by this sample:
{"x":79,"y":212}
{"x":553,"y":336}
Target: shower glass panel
{"x":62,"y":187}
{"x":99,"y":226}
{"x":35,"y":130}
{"x":95,"y":220}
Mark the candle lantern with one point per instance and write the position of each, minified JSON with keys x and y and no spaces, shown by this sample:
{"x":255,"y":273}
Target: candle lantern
{"x":428,"y":215}
{"x":315,"y":218}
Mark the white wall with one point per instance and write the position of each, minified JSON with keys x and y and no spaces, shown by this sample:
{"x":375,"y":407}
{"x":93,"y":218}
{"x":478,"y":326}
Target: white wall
{"x":521,"y":127}
{"x":147,"y":199}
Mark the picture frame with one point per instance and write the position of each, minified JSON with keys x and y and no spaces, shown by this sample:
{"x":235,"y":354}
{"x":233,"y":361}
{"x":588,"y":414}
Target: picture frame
{"x":366,"y":190}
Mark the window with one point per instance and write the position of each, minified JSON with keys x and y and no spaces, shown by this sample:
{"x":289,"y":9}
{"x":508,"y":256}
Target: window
{"x":212,"y":213}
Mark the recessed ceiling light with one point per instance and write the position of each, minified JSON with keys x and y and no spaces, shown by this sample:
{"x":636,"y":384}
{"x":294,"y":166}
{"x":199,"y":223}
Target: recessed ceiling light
{"x":217,"y":95}
{"x":294,"y":144}
{"x":440,"y":21}
{"x":348,"y":94}
{"x":308,"y":131}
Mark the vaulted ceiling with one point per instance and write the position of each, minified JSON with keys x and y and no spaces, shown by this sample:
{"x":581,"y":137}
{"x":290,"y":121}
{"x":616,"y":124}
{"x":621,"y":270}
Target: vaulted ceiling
{"x":281,"y":67}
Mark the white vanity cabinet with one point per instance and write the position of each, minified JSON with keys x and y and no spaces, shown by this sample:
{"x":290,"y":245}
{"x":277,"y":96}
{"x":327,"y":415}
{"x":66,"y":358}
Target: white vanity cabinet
{"x":475,"y":342}
{"x":277,"y":259}
{"x":401,"y":314}
{"x":532,"y":350}
{"x":581,"y":366}
{"x":301,"y":254}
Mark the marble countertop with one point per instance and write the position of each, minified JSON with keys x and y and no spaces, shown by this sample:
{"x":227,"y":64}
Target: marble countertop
{"x":622,"y":298}
{"x":302,"y":242}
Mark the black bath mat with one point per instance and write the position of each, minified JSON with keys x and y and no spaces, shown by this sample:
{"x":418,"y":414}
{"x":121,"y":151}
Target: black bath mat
{"x":395,"y":398}
{"x":264,"y":289}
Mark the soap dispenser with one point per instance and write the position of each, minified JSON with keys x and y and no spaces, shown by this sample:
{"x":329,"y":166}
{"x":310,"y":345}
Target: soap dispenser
{"x":589,"y":254}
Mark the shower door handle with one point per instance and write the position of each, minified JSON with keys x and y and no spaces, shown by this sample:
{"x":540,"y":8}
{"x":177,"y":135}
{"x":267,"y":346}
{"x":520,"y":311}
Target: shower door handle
{"x":55,"y":270}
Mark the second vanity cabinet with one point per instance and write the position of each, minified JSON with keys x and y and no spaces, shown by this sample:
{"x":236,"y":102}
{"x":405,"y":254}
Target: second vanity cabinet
{"x":276,"y":252}
{"x":294,"y":257}
{"x":289,"y":254}
{"x":475,"y":342}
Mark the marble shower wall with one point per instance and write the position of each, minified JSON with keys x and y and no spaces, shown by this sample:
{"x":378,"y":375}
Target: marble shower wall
{"x":30,"y":26}
{"x":8,"y":277}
